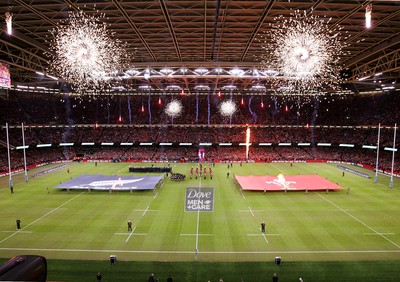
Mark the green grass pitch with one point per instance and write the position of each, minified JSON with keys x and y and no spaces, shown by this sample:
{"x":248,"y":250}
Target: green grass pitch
{"x":306,"y":228}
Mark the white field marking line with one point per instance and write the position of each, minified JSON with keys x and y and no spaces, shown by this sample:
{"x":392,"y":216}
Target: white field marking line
{"x":259,"y":234}
{"x":198,"y":222}
{"x":355,"y":218}
{"x":281,"y":170}
{"x":42,"y":216}
{"x":252,"y":213}
{"x":241,"y":192}
{"x":383,"y":185}
{"x":252,"y":210}
{"x":128,"y":233}
{"x":145,"y":210}
{"x":379,"y":233}
{"x":206,"y":252}
{"x":127,"y":239}
{"x":188,"y":234}
{"x":18,"y":231}
{"x":126,"y":167}
{"x":265,"y":237}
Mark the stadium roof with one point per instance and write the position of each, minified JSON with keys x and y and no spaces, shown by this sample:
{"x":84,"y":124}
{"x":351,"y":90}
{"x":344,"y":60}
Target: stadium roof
{"x":203,"y":34}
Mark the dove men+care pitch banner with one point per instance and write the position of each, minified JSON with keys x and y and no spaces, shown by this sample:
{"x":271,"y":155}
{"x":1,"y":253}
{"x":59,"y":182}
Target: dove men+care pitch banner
{"x":199,"y":199}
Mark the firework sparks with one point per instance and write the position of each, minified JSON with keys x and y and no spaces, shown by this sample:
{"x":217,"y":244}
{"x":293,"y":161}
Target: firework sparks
{"x":306,"y":51}
{"x":85,"y":53}
{"x":174,"y":108}
{"x":227,"y":108}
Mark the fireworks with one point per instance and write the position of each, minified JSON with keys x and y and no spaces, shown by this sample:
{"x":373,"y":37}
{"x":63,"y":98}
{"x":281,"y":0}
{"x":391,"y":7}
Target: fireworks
{"x":85,"y":53}
{"x":174,"y":108}
{"x":306,"y":52}
{"x":227,"y":108}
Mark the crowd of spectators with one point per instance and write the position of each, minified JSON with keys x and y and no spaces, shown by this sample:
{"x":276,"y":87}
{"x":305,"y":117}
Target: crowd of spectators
{"x":331,"y":119}
{"x":36,"y":108}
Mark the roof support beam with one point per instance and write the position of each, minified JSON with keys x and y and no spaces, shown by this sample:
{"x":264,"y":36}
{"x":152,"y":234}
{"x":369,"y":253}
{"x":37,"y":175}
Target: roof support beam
{"x":171,"y":30}
{"x":135,"y":29}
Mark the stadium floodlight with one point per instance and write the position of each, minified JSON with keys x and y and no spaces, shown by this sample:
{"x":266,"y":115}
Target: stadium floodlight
{"x":285,"y":144}
{"x":22,"y":147}
{"x":244,"y":144}
{"x":145,"y":143}
{"x":202,"y":87}
{"x":386,"y":149}
{"x":369,"y":147}
{"x":346,"y":145}
{"x":87,"y":143}
{"x":303,"y":144}
{"x":66,"y":144}
{"x":132,"y":72}
{"x":107,"y":143}
{"x":324,"y":144}
{"x":236,"y":72}
{"x":229,"y":87}
{"x":363,"y":78}
{"x":166,"y":71}
{"x":165,"y":144}
{"x":201,"y":70}
{"x":144,"y":87}
{"x":205,"y":144}
{"x":43,"y":145}
{"x":225,"y":144}
{"x":185,"y":144}
{"x":147,"y":74}
{"x":219,"y":70}
{"x":258,"y":87}
{"x":264,"y":144}
{"x":126,"y":144}
{"x":173,"y":87}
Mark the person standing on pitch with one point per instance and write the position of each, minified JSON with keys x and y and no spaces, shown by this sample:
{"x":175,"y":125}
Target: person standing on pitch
{"x":263,"y":227}
{"x":18,"y":221}
{"x":129,"y":225}
{"x":99,"y":277}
